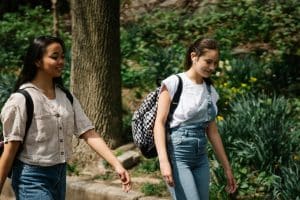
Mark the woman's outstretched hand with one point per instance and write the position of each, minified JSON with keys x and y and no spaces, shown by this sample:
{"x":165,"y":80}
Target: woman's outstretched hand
{"x":98,"y":144}
{"x":125,"y":178}
{"x":166,"y":172}
{"x":231,"y":183}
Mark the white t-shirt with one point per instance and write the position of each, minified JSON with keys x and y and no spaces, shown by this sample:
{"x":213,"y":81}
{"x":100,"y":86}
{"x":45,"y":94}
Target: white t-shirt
{"x":192,"y":106}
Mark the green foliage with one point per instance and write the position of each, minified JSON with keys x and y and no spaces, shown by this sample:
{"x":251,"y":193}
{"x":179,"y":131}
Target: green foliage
{"x":148,"y":166}
{"x":107,"y":176}
{"x":260,"y":133}
{"x":287,"y":186}
{"x":126,"y":123}
{"x":6,"y":87}
{"x":262,"y":143}
{"x":283,"y":77}
{"x":150,"y":189}
{"x":67,"y":69}
{"x":72,"y":169}
{"x":146,"y":64}
{"x":17,"y":29}
{"x":237,"y":77}
{"x":276,"y":22}
{"x":252,"y":184}
{"x":160,"y":62}
{"x":261,"y":136}
{"x":269,"y":30}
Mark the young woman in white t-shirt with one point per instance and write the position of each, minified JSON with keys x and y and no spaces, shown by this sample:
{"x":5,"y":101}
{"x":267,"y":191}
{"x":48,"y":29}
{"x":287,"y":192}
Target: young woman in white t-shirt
{"x":182,"y":148}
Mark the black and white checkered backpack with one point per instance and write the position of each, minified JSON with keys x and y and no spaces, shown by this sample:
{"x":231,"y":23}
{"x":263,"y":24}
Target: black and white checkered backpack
{"x":144,"y":117}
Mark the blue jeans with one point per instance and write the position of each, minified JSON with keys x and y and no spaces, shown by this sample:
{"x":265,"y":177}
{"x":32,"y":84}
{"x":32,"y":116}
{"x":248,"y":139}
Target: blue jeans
{"x":190,"y":167}
{"x":31,"y":182}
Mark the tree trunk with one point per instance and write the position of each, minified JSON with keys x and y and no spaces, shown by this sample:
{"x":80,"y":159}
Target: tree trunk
{"x":55,"y":17}
{"x":95,"y":70}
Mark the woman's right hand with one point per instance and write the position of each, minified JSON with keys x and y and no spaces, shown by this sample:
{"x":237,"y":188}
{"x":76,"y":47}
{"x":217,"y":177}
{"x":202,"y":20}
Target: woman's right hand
{"x":231,"y":182}
{"x":166,"y":172}
{"x":124,"y":177}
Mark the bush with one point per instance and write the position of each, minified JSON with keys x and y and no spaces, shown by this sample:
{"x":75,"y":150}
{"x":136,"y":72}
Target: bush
{"x":146,"y":64}
{"x":287,"y":186}
{"x":17,"y":29}
{"x":261,"y":137}
{"x":253,"y":133}
{"x":6,"y":87}
{"x":268,"y":30}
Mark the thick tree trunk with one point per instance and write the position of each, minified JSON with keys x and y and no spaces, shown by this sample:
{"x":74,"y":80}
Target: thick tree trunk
{"x":95,"y":74}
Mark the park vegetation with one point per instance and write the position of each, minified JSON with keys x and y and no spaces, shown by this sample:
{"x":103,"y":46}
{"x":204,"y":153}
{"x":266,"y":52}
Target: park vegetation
{"x":257,"y":79}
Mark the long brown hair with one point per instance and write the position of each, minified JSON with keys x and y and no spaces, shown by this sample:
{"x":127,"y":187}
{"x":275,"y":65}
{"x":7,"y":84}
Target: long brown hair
{"x":34,"y":53}
{"x":199,"y":47}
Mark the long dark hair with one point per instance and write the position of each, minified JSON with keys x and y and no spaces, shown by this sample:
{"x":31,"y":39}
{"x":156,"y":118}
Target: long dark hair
{"x":34,"y":53}
{"x":199,"y":47}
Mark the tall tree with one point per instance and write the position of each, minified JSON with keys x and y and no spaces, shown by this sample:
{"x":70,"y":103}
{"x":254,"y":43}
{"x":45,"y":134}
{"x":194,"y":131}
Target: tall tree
{"x":95,"y":73}
{"x":55,"y":17}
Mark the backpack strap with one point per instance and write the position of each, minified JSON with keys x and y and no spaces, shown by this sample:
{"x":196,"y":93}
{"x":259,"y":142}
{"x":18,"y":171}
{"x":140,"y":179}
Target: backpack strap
{"x":175,"y":99}
{"x":210,"y":109}
{"x":67,"y":92}
{"x":29,"y":109}
{"x":208,"y":86}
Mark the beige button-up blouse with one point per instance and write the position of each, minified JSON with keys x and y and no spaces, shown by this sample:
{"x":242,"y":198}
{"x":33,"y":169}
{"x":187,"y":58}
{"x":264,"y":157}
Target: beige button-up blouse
{"x":49,"y":138}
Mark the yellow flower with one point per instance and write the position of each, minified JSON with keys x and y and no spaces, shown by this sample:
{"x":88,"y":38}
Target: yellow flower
{"x":252,"y":79}
{"x":244,"y":85}
{"x":228,"y":67}
{"x":234,"y":90}
{"x":220,"y":118}
{"x":296,"y":157}
{"x":221,"y":64}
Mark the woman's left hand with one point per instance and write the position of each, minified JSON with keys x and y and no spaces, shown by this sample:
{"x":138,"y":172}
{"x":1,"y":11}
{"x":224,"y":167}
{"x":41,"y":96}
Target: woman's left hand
{"x":231,"y":183}
{"x":124,"y":177}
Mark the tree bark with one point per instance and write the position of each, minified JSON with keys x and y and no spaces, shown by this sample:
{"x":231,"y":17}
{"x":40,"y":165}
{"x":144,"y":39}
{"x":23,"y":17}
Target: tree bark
{"x":55,"y":17}
{"x":95,"y":70}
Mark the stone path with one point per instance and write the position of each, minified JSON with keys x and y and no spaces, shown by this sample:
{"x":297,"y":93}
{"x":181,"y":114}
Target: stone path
{"x":79,"y":188}
{"x":87,"y":188}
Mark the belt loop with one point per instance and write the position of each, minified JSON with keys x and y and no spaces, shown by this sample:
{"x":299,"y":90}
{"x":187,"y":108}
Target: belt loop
{"x":186,"y":132}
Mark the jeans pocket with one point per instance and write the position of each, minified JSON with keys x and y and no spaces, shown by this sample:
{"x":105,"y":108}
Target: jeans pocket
{"x":175,"y":140}
{"x":201,"y":147}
